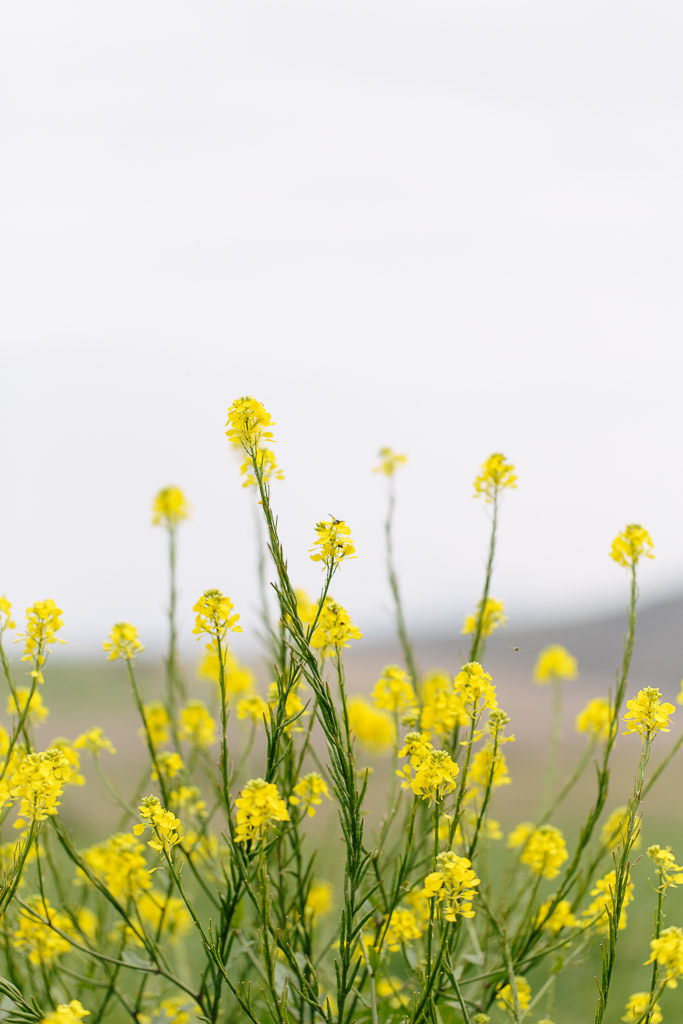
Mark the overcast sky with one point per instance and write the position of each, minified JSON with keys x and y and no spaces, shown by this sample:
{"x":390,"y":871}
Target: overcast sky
{"x":449,"y":227}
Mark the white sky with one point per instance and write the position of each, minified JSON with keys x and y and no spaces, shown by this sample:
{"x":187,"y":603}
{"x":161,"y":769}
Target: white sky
{"x":453,"y":228}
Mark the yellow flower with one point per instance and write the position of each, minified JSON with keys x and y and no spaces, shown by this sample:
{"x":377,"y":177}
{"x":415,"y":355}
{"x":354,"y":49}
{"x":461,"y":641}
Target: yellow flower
{"x":37,"y":712}
{"x":474,"y":688}
{"x":403,"y":928}
{"x":268,"y":467}
{"x":258,"y":806}
{"x":374,"y":730}
{"x":630,"y":545}
{"x":435,"y":774}
{"x":214,"y":618}
{"x":309,"y":791}
{"x":544,"y":851}
{"x":596,"y":912}
{"x":496,"y":474}
{"x":123,"y":642}
{"x":636,"y":1009}
{"x":393,"y":690}
{"x":389,"y":462}
{"x":66,"y":1013}
{"x":247,"y":419}
{"x":334,"y":629}
{"x":505,"y":998}
{"x":170,"y":507}
{"x":170,"y":764}
{"x":42,"y":624}
{"x":95,"y":741}
{"x":667,"y":951}
{"x":392,"y":992}
{"x":253,"y":708}
{"x":238,"y":679}
{"x":187,"y":799}
{"x":332,"y":545}
{"x":647,"y":714}
{"x":442,"y":707}
{"x":153,"y":908}
{"x":120,"y":863}
{"x":6,"y":621}
{"x":453,"y":884}
{"x":554,"y":663}
{"x":306,"y":608}
{"x":163,"y":823}
{"x":197,"y":725}
{"x":72,"y":756}
{"x":484,"y":768}
{"x":34,"y":937}
{"x":38,"y":783}
{"x":319,"y":899}
{"x":670,"y":873}
{"x":595,"y":719}
{"x":614,"y":830}
{"x":493,"y":617}
{"x":158,"y":723}
{"x":561,"y":917}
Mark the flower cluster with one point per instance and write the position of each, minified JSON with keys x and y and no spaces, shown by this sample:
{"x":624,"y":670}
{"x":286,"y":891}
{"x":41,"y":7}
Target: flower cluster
{"x":197,"y":725}
{"x":42,"y":624}
{"x":495,"y":475}
{"x":267,"y":468}
{"x":389,"y":461}
{"x":95,"y":741}
{"x":214,"y":617}
{"x":123,"y":642}
{"x":6,"y":620}
{"x":309,"y":791}
{"x":475,"y":690}
{"x":393,"y":690}
{"x":555,"y":663}
{"x":602,"y":893}
{"x":613,"y":832}
{"x":632,"y":544}
{"x":637,"y":1007}
{"x":22,"y":696}
{"x":247,"y":420}
{"x":670,"y":873}
{"x":506,"y":999}
{"x":442,"y":708}
{"x":453,"y":884}
{"x":66,"y":1013}
{"x":647,"y":714}
{"x":120,"y":863}
{"x":560,"y":917}
{"x":492,"y":616}
{"x":258,"y":806}
{"x":157,"y":723}
{"x":334,"y":629}
{"x":319,"y":899}
{"x":169,"y":508}
{"x":163,"y":823}
{"x":374,"y":729}
{"x":595,"y":719}
{"x":667,"y":953}
{"x":434,"y":771}
{"x":403,"y":927}
{"x":333,"y":544}
{"x":543,"y":849}
{"x":42,"y":943}
{"x":38,"y":783}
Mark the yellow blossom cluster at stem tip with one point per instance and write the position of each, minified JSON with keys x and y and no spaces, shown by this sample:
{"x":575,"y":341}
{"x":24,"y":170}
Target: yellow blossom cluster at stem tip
{"x":561,"y":917}
{"x":453,"y":885}
{"x":632,"y":544}
{"x":121,"y":864}
{"x":506,"y":1000}
{"x":157,"y":722}
{"x":334,"y":629}
{"x":543,"y":849}
{"x":66,"y":1013}
{"x":95,"y":741}
{"x":613,"y":832}
{"x":595,"y":719}
{"x":373,"y":729}
{"x":214,"y":617}
{"x":17,"y":701}
{"x":169,"y":508}
{"x":309,"y":792}
{"x":163,"y":823}
{"x":637,"y":1007}
{"x":670,"y":873}
{"x":602,"y":892}
{"x":647,"y":714}
{"x":393,"y":690}
{"x":495,"y":475}
{"x":389,"y":461}
{"x":258,"y":806}
{"x":6,"y":620}
{"x":319,"y":899}
{"x":475,"y":690}
{"x":38,"y":783}
{"x":197,"y":725}
{"x":431,"y":773}
{"x":402,"y":929}
{"x":493,"y":617}
{"x":555,"y":663}
{"x":267,"y":466}
{"x":123,"y":642}
{"x":247,"y":423}
{"x":42,"y":625}
{"x":667,"y":952}
{"x":334,"y":543}
{"x":37,"y":933}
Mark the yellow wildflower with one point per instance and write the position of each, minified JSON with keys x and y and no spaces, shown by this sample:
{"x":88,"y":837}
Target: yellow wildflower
{"x":170,"y":507}
{"x":647,"y":714}
{"x":393,"y":690}
{"x":170,"y":764}
{"x":196,"y":724}
{"x":496,"y":474}
{"x":36,"y":938}
{"x":72,"y":757}
{"x":506,"y":999}
{"x":486,"y":769}
{"x":670,"y":873}
{"x":42,"y":624}
{"x":37,"y":712}
{"x":253,"y":708}
{"x":187,"y":799}
{"x":238,"y":679}
{"x":247,"y":419}
{"x":453,"y":884}
{"x":389,"y":461}
{"x":544,"y":851}
{"x":169,"y":1011}
{"x":153,"y":908}
{"x":66,"y":1013}
{"x":519,"y":835}
{"x":268,"y":467}
{"x":403,"y":928}
{"x":214,"y":619}
{"x":392,"y":991}
{"x":434,"y":777}
{"x":561,"y":917}
{"x":319,"y":899}
{"x":157,"y":721}
{"x":123,"y":642}
{"x":6,"y":620}
{"x":595,"y":719}
{"x":374,"y":729}
{"x":596,"y":912}
{"x":493,"y":617}
{"x":306,"y":609}
{"x":309,"y":791}
{"x":443,"y":709}
{"x":474,"y":688}
{"x":95,"y":741}
{"x":630,"y":545}
{"x":667,"y":951}
{"x":555,"y":662}
{"x":258,"y":806}
{"x":38,"y":783}
{"x":334,"y":629}
{"x":120,"y":863}
{"x":332,"y":545}
{"x":637,"y":1007}
{"x":163,"y":823}
{"x":614,"y":830}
